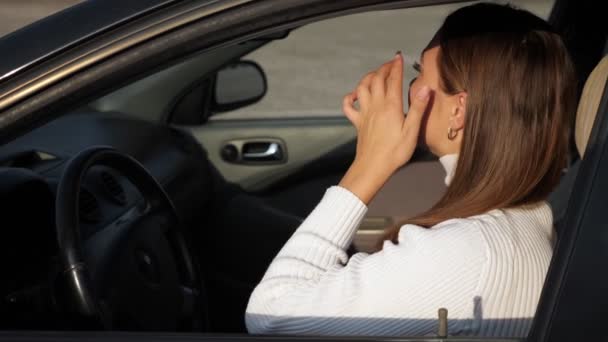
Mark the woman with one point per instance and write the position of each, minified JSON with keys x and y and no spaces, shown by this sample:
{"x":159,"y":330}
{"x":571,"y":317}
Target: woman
{"x":493,"y":100}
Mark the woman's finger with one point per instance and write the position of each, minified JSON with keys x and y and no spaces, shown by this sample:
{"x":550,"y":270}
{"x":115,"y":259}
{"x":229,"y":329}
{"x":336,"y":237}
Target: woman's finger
{"x":363,"y":93}
{"x":395,"y":80}
{"x":417,"y":107}
{"x":379,"y":80}
{"x":348,"y":107}
{"x":366,"y":81}
{"x":364,"y":87}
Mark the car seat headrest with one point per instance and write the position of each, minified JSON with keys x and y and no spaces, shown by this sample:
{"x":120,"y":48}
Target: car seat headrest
{"x":589,"y":105}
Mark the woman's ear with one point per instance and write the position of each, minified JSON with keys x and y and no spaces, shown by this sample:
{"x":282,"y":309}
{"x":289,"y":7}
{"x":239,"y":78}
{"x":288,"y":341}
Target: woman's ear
{"x":459,"y":112}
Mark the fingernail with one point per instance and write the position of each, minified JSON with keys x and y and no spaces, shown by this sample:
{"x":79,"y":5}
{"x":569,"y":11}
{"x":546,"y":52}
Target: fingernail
{"x":423,"y":93}
{"x":397,"y":54}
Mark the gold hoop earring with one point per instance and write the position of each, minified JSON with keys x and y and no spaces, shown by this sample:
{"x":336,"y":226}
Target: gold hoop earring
{"x":452,"y":133}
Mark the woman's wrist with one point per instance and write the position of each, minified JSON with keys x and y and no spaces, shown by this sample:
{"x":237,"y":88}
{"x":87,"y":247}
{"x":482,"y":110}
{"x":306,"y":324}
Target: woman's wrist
{"x":364,"y":181}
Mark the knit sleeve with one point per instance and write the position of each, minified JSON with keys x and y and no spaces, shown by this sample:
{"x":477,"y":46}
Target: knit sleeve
{"x":312,"y":288}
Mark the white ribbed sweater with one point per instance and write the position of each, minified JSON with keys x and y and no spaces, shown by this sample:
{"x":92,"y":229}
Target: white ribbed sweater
{"x":487,"y":270}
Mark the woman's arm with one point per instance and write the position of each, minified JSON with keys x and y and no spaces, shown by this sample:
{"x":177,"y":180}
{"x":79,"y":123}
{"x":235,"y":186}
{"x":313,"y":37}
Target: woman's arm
{"x":312,"y":288}
{"x":386,"y":140}
{"x":386,"y":137}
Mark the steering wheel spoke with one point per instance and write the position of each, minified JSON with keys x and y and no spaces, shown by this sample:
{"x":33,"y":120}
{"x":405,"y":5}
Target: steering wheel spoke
{"x":101,"y":246}
{"x":190,"y":297}
{"x":134,"y":265}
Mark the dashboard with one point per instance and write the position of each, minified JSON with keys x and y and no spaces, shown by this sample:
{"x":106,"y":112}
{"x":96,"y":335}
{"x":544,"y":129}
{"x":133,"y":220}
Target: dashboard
{"x":175,"y":159}
{"x":31,"y":167}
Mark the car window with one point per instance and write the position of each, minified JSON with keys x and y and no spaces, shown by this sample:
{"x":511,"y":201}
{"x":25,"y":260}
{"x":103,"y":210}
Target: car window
{"x":309,"y":72}
{"x":15,"y":14}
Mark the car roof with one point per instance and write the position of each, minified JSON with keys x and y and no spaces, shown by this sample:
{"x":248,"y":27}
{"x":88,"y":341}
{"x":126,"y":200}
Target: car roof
{"x":52,"y":34}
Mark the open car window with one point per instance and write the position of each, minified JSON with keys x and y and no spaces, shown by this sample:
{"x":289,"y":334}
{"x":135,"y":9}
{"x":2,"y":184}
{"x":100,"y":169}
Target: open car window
{"x":310,"y":71}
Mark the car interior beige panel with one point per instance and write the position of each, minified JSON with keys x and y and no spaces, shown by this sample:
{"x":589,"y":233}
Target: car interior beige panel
{"x":589,"y":104}
{"x":305,"y":140}
{"x":410,"y":191}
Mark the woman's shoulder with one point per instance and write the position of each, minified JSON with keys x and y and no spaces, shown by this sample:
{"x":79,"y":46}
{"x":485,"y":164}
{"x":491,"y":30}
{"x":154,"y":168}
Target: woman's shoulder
{"x":468,"y":232}
{"x":456,"y":251}
{"x":531,"y":216}
{"x":453,"y":237}
{"x":456,"y":229}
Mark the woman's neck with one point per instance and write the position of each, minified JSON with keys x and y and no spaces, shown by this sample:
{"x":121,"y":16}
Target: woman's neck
{"x":449,"y":161}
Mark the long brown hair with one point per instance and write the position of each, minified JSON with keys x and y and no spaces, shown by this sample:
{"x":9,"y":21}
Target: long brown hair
{"x":521,"y":94}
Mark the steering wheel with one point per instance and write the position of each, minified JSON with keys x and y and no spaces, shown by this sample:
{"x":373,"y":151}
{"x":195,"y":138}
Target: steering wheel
{"x":135,"y":274}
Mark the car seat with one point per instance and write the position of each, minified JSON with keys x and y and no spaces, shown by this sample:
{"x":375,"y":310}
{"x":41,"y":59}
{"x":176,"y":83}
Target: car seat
{"x":585,"y":116}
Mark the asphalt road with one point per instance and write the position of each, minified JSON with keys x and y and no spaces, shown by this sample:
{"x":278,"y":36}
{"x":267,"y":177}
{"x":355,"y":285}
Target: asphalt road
{"x":15,"y":14}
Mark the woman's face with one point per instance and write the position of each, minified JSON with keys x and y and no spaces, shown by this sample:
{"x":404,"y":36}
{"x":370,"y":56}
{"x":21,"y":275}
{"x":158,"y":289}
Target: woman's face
{"x":444,"y":111}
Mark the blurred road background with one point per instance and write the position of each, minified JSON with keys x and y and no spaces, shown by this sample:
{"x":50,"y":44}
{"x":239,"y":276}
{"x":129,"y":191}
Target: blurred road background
{"x":17,"y":13}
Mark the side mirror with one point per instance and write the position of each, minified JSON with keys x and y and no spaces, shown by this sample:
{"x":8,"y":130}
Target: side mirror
{"x":238,"y":85}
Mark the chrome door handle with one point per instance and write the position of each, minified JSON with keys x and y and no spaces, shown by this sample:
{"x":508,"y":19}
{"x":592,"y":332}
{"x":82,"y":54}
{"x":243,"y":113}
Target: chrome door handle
{"x":258,"y":151}
{"x":272,"y":152}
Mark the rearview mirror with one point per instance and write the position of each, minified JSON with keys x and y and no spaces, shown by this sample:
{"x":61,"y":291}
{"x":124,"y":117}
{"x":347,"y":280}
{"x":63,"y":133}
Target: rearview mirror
{"x":237,"y":85}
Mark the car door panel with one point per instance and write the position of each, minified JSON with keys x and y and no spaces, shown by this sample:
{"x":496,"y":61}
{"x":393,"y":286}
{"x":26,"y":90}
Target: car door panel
{"x":305,"y":140}
{"x":318,"y":152}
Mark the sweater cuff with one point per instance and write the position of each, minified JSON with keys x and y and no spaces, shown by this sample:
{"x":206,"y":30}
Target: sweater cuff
{"x":342,"y":211}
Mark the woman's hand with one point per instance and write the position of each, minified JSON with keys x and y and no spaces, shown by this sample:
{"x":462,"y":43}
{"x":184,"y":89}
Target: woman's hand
{"x":386,"y":138}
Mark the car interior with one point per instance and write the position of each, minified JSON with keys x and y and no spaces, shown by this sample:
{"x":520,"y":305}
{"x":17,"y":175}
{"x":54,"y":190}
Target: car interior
{"x":140,"y":211}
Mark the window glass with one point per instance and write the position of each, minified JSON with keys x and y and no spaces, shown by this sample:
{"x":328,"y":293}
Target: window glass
{"x":311,"y":70}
